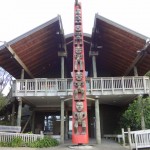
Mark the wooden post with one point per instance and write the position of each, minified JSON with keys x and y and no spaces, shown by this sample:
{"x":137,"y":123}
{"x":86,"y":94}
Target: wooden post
{"x":129,"y":138}
{"x":94,"y":54}
{"x":135,"y":71}
{"x":142,"y":113}
{"x":62,"y":67}
{"x":94,"y":66}
{"x":62,"y":122}
{"x":22,"y":74}
{"x":33,"y":122}
{"x":123,"y":136}
{"x":13,"y":115}
{"x":62,"y":55}
{"x":66,"y":125}
{"x":19,"y":111}
{"x":97,"y":118}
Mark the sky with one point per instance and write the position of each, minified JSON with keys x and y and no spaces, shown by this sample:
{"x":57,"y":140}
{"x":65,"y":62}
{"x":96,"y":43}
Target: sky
{"x":20,"y":16}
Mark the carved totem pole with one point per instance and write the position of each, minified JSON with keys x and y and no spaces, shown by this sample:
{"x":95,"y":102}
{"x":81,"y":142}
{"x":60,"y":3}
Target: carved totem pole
{"x":79,"y":103}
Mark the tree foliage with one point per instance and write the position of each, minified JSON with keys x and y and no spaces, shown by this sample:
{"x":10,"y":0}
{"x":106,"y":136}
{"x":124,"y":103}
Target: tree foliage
{"x":5,"y":79}
{"x":132,"y":116}
{"x":3,"y":101}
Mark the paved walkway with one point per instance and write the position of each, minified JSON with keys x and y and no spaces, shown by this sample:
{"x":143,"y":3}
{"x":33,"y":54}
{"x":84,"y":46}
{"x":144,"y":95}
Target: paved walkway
{"x":105,"y":145}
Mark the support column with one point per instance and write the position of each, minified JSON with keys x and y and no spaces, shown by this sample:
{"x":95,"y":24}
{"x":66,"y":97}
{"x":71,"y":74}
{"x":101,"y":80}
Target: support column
{"x":19,"y":111}
{"x":62,"y":122}
{"x":33,"y":122}
{"x":135,"y":71}
{"x":20,"y":104}
{"x":67,"y":125}
{"x":142,"y":113}
{"x":62,"y":55}
{"x":13,"y":115}
{"x":94,"y":54}
{"x":97,"y":119}
{"x":22,"y":74}
{"x":62,"y":67}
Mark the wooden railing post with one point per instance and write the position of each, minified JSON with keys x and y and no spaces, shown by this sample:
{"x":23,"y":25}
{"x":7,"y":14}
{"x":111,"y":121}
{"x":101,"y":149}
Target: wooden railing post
{"x":129,"y":138}
{"x":123,"y":136}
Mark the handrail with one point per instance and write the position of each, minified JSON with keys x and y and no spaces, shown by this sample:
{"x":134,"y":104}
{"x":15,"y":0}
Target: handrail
{"x":126,"y":85}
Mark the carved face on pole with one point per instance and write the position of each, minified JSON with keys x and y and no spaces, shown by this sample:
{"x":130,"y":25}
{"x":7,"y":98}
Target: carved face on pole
{"x":79,"y":106}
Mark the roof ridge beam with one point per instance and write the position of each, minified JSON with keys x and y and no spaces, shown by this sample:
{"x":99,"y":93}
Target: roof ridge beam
{"x":17,"y":58}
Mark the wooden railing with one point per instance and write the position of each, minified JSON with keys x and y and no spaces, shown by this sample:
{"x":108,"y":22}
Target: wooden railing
{"x":95,"y":86}
{"x":7,"y":137}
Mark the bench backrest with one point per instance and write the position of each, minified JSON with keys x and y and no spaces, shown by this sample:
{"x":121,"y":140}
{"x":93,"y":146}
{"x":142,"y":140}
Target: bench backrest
{"x":142,"y":139}
{"x":12,"y":129}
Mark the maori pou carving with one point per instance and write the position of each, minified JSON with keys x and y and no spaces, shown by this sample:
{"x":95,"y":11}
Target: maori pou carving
{"x":78,"y":62}
{"x":79,"y":90}
{"x":78,"y":28}
{"x":78,"y":50}
{"x":79,"y":103}
{"x":78,"y":19}
{"x":78,"y":12}
{"x":78,"y":76}
{"x":79,"y":118}
{"x":78,"y":37}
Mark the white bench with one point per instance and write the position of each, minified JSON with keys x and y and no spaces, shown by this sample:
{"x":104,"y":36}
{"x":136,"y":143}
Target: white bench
{"x":117,"y":137}
{"x":12,"y":129}
{"x":138,"y":139}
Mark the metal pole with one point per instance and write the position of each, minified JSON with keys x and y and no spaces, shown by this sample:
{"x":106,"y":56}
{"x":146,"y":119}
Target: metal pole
{"x":97,"y":118}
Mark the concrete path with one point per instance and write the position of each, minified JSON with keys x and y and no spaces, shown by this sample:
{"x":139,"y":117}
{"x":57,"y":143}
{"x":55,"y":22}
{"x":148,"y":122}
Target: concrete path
{"x":105,"y":145}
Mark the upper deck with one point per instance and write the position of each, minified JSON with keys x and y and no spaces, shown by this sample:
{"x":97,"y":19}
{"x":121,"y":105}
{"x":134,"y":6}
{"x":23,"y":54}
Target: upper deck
{"x":95,"y":86}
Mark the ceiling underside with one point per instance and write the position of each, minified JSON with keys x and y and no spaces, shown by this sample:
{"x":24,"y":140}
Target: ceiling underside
{"x":116,"y":100}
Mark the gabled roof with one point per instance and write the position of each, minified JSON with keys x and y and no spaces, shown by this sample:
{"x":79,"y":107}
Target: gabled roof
{"x":37,"y":49}
{"x":117,"y":47}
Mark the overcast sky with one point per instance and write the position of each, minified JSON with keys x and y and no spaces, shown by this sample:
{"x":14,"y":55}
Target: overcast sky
{"x":20,"y":16}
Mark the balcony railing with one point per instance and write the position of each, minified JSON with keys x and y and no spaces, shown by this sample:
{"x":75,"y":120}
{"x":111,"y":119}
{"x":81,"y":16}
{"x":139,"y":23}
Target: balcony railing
{"x":95,"y":86}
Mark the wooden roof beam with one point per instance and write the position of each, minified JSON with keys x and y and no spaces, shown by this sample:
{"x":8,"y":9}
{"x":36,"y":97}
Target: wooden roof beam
{"x":141,"y":54}
{"x":16,"y":57}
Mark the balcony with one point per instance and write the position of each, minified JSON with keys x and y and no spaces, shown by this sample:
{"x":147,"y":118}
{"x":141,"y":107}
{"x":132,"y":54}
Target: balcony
{"x":95,"y":86}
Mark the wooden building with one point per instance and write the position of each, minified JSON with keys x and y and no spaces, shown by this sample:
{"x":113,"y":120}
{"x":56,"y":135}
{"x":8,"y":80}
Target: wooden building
{"x":116,"y":60}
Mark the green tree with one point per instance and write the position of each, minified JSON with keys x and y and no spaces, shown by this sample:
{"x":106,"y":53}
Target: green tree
{"x":3,"y":101}
{"x":132,"y":117}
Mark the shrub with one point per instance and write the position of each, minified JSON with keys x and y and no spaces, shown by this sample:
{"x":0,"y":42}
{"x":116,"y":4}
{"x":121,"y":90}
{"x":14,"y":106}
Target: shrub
{"x":18,"y":142}
{"x":45,"y":142}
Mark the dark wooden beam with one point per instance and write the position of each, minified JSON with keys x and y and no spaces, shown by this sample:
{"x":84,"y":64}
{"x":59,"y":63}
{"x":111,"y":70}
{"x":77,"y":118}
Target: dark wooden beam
{"x":141,"y":54}
{"x":16,"y":57}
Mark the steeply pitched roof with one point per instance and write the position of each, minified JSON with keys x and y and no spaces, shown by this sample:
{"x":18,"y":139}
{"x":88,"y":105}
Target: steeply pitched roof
{"x":117,"y":47}
{"x":37,"y":49}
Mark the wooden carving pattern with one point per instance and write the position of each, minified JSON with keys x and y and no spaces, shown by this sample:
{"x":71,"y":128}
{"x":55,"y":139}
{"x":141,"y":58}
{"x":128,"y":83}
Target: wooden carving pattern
{"x":79,"y":104}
